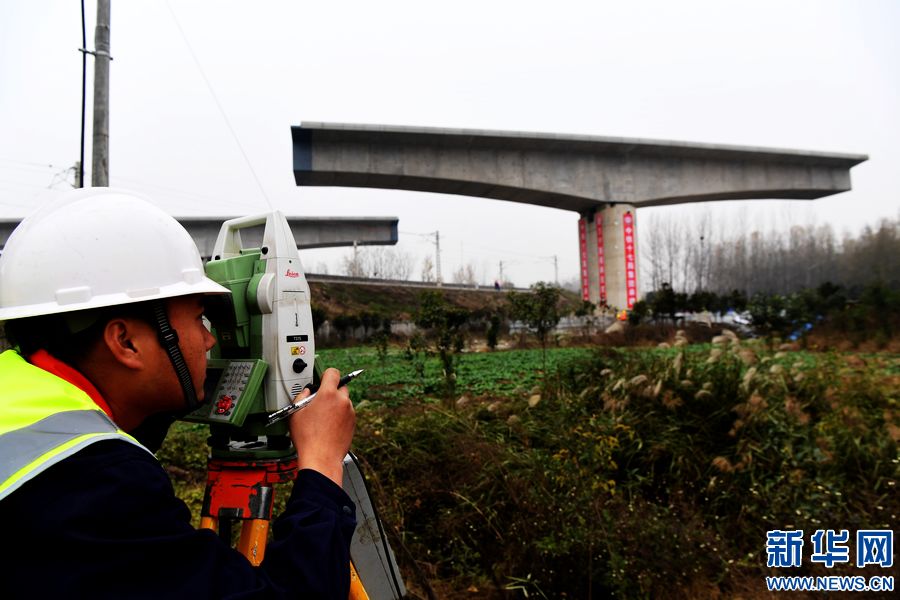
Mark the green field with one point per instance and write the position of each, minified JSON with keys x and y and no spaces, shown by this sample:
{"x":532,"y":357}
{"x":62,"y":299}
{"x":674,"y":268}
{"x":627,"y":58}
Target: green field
{"x":395,"y":380}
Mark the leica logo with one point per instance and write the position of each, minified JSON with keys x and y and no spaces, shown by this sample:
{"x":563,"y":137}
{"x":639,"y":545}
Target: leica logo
{"x":292,"y":274}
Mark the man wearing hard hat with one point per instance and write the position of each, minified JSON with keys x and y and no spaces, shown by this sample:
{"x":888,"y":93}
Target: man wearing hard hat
{"x":102,"y":295}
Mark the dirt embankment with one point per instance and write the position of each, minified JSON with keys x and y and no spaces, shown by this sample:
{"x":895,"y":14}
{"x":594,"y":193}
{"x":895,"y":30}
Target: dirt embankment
{"x":400,"y":303}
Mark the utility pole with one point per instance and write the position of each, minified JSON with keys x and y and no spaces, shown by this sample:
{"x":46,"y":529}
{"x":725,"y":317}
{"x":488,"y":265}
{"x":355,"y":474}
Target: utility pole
{"x":501,"y":273}
{"x":702,"y":263}
{"x":100,"y":154}
{"x":437,"y":254}
{"x":556,"y":269}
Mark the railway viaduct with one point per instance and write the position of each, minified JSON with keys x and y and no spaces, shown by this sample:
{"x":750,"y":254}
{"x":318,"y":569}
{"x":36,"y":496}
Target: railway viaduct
{"x":603,"y":179}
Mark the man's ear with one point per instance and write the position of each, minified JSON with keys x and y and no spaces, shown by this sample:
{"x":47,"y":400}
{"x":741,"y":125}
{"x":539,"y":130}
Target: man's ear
{"x":127,"y":340}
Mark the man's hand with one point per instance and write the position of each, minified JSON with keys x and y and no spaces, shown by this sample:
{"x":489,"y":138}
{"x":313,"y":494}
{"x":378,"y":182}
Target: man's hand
{"x":323,"y":431}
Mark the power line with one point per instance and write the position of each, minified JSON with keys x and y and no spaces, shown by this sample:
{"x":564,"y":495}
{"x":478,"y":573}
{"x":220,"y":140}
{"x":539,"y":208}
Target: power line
{"x":187,"y":195}
{"x":521,"y":257}
{"x":27,"y":184}
{"x":510,"y":252}
{"x":63,"y":177}
{"x":219,"y":105}
{"x":436,"y":236}
{"x":494,"y":251}
{"x":21,"y":164}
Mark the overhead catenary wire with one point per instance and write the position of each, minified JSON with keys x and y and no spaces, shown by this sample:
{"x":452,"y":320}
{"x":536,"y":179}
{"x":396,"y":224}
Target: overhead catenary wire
{"x":518,"y":258}
{"x":493,"y":251}
{"x":502,"y":253}
{"x":186,"y":195}
{"x":509,"y":252}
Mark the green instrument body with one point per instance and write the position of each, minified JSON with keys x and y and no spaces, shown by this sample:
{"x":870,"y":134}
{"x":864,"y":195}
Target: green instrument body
{"x":265,"y":351}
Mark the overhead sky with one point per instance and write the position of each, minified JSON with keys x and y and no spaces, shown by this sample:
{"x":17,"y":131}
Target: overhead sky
{"x":203,"y":95}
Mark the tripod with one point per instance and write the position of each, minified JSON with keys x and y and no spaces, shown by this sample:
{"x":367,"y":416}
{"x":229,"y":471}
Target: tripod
{"x":244,"y":490}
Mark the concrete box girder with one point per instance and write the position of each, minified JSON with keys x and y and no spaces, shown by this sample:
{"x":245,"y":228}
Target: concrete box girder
{"x":309,"y":232}
{"x":578,"y":173}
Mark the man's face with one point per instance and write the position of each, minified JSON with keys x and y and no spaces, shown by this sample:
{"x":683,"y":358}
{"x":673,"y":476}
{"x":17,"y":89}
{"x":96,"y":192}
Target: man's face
{"x":194,"y":339}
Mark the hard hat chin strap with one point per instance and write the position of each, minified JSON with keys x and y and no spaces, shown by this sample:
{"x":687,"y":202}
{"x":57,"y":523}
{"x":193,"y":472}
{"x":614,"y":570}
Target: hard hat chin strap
{"x":168,"y":339}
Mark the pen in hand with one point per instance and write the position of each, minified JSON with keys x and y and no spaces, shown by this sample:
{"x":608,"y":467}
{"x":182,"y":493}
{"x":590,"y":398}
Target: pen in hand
{"x":283,"y":413}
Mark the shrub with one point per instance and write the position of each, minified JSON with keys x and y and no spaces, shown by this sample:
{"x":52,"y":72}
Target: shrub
{"x":538,"y":309}
{"x":639,"y":474}
{"x":444,"y":326}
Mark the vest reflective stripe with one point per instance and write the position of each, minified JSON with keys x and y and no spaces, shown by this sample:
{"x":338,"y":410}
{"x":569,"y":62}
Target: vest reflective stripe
{"x":43,"y":420}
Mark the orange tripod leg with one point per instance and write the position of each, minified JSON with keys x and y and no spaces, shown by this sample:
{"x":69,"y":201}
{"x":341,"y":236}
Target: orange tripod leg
{"x":209,"y":523}
{"x":252,"y":542}
{"x":357,"y":591}
{"x":243,"y":490}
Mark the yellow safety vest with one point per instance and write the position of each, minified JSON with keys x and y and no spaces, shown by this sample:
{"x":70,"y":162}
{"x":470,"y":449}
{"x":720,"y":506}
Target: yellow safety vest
{"x":43,"y":420}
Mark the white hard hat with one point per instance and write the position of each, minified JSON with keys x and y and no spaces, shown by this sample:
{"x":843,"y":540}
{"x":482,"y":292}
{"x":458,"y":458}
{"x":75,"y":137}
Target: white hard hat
{"x":97,"y":247}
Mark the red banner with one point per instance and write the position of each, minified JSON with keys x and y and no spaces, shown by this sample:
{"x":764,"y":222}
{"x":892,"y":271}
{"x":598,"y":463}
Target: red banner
{"x":582,"y":245}
{"x":630,"y":263}
{"x":601,"y":258}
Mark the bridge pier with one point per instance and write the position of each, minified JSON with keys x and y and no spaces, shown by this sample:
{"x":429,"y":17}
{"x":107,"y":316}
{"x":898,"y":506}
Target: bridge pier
{"x":608,"y":253}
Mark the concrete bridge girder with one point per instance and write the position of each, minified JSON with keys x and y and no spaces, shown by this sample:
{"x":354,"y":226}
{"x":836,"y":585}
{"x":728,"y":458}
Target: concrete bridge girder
{"x":585,"y":174}
{"x":309,"y":232}
{"x":571,"y":173}
{"x":583,"y":182}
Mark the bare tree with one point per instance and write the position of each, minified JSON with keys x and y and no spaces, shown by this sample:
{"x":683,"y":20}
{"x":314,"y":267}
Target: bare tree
{"x":378,"y":263}
{"x":652,"y":254}
{"x":352,"y":265}
{"x":388,"y":263}
{"x":465,"y":274}
{"x":428,"y":269}
{"x":702,"y":231}
{"x":670,"y":251}
{"x":689,"y":253}
{"x":692,"y":254}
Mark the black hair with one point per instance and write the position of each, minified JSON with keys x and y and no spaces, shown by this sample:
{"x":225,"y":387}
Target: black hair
{"x":54,"y":334}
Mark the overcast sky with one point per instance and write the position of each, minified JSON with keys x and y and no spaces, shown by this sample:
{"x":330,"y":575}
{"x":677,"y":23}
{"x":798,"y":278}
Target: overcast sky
{"x":203,"y":95}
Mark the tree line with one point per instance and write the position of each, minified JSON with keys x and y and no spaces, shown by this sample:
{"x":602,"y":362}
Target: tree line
{"x":693,"y":257}
{"x":857,"y":313}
